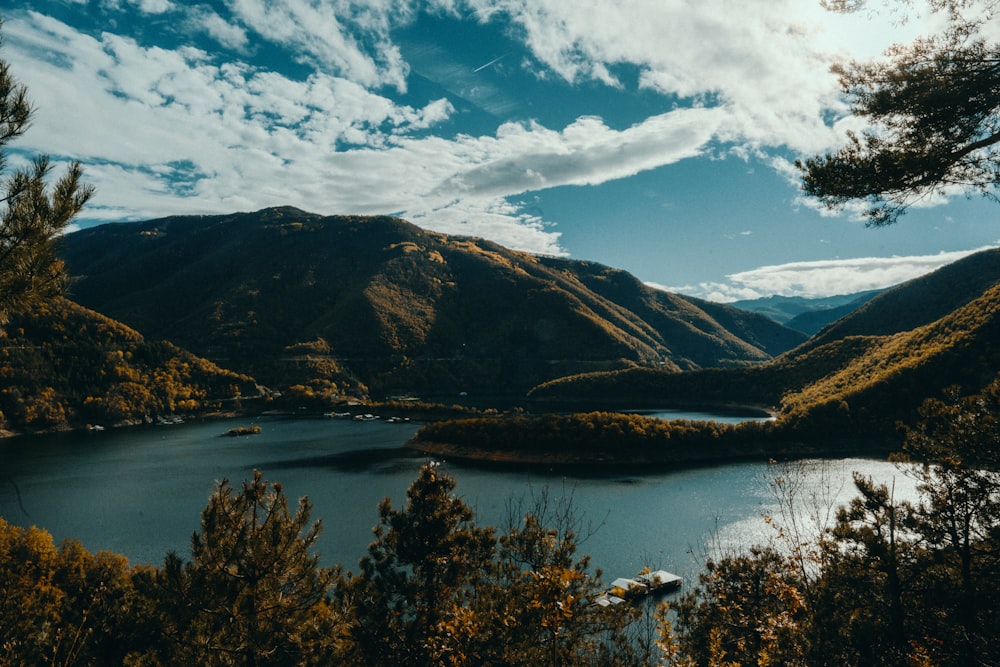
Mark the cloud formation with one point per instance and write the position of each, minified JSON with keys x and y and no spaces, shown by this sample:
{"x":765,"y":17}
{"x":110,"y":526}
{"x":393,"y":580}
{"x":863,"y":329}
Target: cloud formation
{"x":192,"y":128}
{"x":822,"y":278}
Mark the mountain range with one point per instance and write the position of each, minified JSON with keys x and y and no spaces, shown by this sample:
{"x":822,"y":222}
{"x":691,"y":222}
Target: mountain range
{"x":202,"y":312}
{"x":804,"y":314}
{"x":352,"y":303}
{"x":861,"y":374}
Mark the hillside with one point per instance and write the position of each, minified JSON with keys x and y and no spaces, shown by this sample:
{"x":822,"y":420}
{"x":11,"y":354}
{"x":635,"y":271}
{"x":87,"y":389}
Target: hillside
{"x":66,"y":366}
{"x":345,"y":302}
{"x":920,"y":301}
{"x":860,"y":374}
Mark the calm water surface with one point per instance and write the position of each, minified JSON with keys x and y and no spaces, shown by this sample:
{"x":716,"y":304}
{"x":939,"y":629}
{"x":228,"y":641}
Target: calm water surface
{"x":140,"y":492}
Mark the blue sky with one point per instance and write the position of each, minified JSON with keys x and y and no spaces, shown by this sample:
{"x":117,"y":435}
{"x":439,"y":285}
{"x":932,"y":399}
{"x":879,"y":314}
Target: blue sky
{"x":656,"y":136}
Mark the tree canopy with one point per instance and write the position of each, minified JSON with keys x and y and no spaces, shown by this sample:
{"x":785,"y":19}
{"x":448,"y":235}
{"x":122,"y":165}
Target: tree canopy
{"x":933,"y":114}
{"x":33,"y":215}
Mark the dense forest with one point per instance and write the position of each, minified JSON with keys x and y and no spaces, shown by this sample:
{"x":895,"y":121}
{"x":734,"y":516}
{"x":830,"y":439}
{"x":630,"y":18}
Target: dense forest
{"x":859,"y":378}
{"x":882,"y":583}
{"x":395,"y":308}
{"x":604,"y":440}
{"x":62,"y":365}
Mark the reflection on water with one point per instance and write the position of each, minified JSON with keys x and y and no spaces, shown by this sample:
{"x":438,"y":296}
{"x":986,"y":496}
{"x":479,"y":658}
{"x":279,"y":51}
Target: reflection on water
{"x":140,"y":492}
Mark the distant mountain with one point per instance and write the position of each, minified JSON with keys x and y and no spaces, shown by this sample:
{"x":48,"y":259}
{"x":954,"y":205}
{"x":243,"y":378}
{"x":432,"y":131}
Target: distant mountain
{"x":342,"y":302}
{"x":920,"y":301}
{"x":807,"y":315}
{"x":861,"y":374}
{"x":66,"y":366}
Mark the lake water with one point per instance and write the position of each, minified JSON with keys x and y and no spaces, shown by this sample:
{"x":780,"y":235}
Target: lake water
{"x":140,"y":492}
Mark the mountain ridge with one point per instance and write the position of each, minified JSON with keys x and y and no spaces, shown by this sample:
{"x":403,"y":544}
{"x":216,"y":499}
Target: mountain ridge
{"x":863,"y":373}
{"x":399,"y":308}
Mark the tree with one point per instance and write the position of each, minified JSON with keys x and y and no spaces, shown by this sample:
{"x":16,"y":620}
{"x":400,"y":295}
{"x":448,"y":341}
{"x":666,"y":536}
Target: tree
{"x":933,"y":109}
{"x":435,"y":589}
{"x":959,"y":480}
{"x":253,"y":593}
{"x":412,"y":599}
{"x":62,"y":605}
{"x":544,"y":597}
{"x":32,"y":217}
{"x":746,"y":610}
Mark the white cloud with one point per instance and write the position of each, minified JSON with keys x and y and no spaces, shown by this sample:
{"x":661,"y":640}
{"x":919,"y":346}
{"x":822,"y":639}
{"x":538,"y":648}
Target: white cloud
{"x":179,"y":131}
{"x":229,"y":35}
{"x":766,"y":63}
{"x":326,"y":33}
{"x":822,"y":278}
{"x":173,"y":132}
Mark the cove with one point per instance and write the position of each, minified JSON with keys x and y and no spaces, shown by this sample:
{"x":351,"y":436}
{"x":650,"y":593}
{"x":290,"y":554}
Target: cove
{"x":140,"y":491}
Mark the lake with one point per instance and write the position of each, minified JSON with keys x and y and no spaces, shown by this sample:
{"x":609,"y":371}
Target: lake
{"x":140,"y":491}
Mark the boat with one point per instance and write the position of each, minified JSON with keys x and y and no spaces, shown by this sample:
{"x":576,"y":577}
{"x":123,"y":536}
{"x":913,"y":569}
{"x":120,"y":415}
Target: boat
{"x":648,"y":582}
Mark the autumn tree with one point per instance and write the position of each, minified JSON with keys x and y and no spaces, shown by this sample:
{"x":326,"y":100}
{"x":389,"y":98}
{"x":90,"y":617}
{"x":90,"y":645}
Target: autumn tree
{"x":33,"y":216}
{"x":253,"y":592}
{"x":436,"y":589}
{"x":933,"y":114}
{"x":61,"y":605}
{"x":544,"y":593}
{"x":747,"y":609}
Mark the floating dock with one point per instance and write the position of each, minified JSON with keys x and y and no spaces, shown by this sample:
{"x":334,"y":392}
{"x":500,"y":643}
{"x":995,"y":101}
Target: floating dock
{"x":647,"y":583}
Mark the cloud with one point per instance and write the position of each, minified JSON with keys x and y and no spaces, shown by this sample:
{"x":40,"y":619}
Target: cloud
{"x":822,"y":278}
{"x":165,"y":131}
{"x":172,"y":132}
{"x":345,"y":39}
{"x":526,"y":157}
{"x":765,"y":63}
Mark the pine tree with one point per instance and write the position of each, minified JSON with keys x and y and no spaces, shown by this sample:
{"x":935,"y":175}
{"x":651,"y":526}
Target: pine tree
{"x":419,"y":579}
{"x":32,"y":217}
{"x":253,"y":593}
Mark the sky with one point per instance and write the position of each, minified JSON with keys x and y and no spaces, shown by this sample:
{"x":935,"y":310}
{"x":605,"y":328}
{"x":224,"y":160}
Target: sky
{"x":654,"y":136}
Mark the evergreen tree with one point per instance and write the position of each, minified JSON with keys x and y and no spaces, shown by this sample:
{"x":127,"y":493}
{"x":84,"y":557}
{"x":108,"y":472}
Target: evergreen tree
{"x":957,"y":442}
{"x":32,"y":217}
{"x":934,"y":113}
{"x":412,"y":599}
{"x":253,"y":593}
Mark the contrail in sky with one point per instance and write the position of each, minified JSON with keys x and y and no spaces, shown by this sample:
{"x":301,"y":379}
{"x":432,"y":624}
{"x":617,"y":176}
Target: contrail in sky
{"x":495,"y":60}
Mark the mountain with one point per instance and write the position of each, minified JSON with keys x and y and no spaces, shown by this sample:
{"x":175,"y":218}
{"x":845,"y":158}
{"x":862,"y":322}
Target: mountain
{"x":807,"y":315}
{"x":64,"y":365}
{"x":859,"y":375}
{"x":918,"y":302}
{"x":343,"y":302}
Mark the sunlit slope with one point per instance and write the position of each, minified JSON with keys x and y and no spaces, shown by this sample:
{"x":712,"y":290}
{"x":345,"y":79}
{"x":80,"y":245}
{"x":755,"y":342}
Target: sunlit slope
{"x":919,"y":301}
{"x":64,"y":365}
{"x":394,"y":305}
{"x":896,"y":372}
{"x":874,"y":374}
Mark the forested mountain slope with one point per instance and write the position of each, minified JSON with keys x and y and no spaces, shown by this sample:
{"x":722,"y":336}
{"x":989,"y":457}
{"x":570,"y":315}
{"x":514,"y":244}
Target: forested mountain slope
{"x":919,"y":301}
{"x":861,"y":374}
{"x":63,"y":365}
{"x":292,"y":297}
